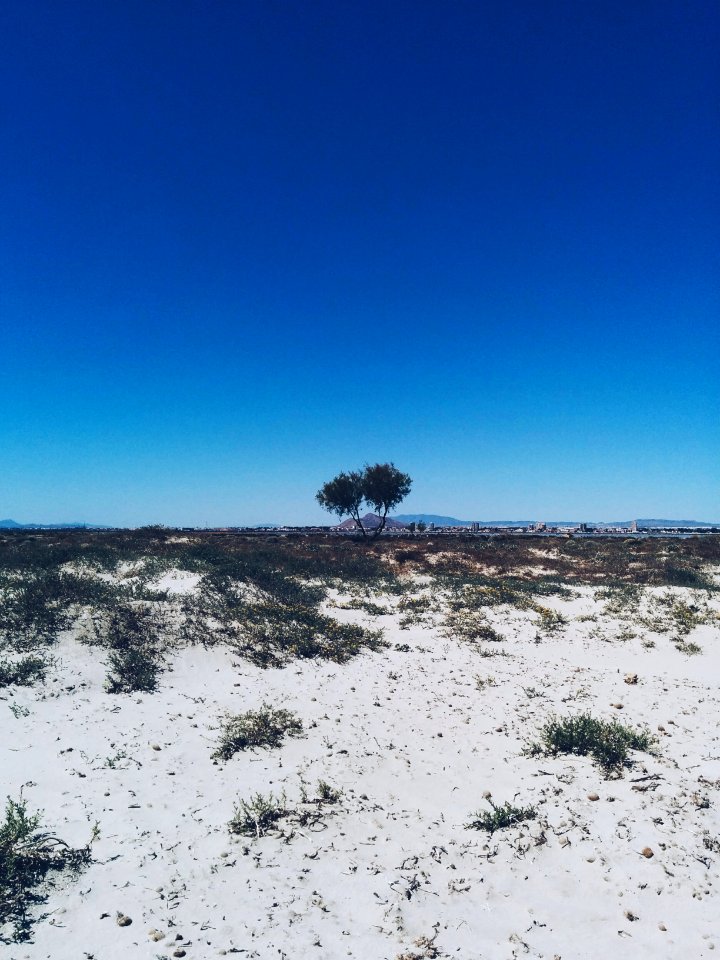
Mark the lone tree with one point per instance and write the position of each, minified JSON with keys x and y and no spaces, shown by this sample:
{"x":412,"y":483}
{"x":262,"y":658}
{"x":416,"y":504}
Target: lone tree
{"x":382,"y":487}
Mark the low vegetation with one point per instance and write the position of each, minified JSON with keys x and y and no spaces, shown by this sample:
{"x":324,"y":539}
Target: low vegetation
{"x":132,"y":636}
{"x":256,"y":816}
{"x":262,"y":814}
{"x":500,"y":817}
{"x":23,"y":672}
{"x":27,"y":856}
{"x":607,"y":742}
{"x":265,"y":727}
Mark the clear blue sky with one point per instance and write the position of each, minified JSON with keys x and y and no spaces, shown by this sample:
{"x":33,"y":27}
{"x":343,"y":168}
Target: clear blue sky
{"x":244,"y":245}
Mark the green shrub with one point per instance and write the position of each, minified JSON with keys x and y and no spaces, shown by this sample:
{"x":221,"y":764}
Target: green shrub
{"x":328,"y":794}
{"x":132,"y":636}
{"x":689,"y":648}
{"x":132,"y":670}
{"x":498,"y":818}
{"x":265,"y":727}
{"x":27,"y":855}
{"x":23,"y":672}
{"x":254,"y":817}
{"x":583,"y":735}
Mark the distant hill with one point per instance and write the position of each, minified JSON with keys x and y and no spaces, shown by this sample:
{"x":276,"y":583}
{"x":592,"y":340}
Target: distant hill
{"x":371,"y":521}
{"x":432,"y":518}
{"x":14,"y":525}
{"x":441,"y":521}
{"x":677,"y":523}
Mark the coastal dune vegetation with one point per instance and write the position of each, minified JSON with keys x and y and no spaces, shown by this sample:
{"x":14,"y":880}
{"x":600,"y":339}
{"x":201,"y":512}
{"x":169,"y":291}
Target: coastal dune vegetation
{"x":366,"y":742}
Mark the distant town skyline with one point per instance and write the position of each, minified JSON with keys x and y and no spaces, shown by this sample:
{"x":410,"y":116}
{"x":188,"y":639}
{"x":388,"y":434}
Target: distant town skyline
{"x":246,"y":246}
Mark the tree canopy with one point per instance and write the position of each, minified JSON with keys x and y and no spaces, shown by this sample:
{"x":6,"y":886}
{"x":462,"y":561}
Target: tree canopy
{"x":381,"y":486}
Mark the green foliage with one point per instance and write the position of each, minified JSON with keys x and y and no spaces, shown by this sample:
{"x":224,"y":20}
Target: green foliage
{"x":265,"y":727}
{"x":381,"y":486}
{"x":132,"y":670}
{"x":23,"y":672}
{"x":343,"y":495}
{"x":500,"y":817}
{"x":27,"y":855}
{"x":256,"y":816}
{"x":690,"y":649}
{"x":606,"y":742}
{"x":132,"y":636}
{"x":327,"y":794}
{"x":271,"y":635}
{"x":550,"y":620}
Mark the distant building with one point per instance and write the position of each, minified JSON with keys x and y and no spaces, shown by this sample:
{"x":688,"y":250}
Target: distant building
{"x":474,"y":527}
{"x":634,"y":527}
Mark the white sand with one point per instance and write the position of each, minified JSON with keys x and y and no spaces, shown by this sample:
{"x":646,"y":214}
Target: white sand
{"x":413,"y":744}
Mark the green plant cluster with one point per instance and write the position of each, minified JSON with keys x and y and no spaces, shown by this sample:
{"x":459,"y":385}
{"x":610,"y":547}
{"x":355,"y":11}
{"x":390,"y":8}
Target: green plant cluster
{"x":607,"y":742}
{"x":265,"y":727}
{"x":23,"y":672}
{"x":500,"y":817}
{"x":27,"y":856}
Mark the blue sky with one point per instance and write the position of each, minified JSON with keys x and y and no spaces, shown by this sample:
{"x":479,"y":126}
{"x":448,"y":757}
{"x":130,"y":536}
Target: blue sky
{"x":244,"y":246}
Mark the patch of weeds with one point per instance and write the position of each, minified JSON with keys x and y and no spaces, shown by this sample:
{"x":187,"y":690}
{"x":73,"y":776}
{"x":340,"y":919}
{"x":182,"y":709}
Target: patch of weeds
{"x":23,"y":672}
{"x":487,"y":652}
{"x":668,"y":613}
{"x":682,"y":576}
{"x":402,"y":648}
{"x":132,"y":670}
{"x":271,"y":635}
{"x":427,"y":947}
{"x":482,"y":682}
{"x":265,"y":727}
{"x":326,"y":793}
{"x":367,"y":606}
{"x":500,"y":817}
{"x":691,"y":649}
{"x":256,"y":816}
{"x":132,"y":636}
{"x":18,"y":711}
{"x":550,"y":620}
{"x":27,"y":856}
{"x":711,"y":843}
{"x":606,"y":742}
{"x":620,"y":599}
{"x":532,"y":692}
{"x":471,"y":628}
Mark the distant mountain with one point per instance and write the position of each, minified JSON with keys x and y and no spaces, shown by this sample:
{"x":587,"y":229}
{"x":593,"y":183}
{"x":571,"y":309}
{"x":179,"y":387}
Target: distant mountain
{"x":432,"y":518}
{"x":677,"y":523}
{"x":441,"y":521}
{"x":13,"y":525}
{"x":371,"y":521}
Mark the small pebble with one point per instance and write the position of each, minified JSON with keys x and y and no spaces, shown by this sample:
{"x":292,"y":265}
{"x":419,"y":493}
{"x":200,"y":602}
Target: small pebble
{"x":647,"y":852}
{"x":179,"y":952}
{"x":631,"y":678}
{"x":156,"y":935}
{"x":629,"y":915}
{"x":122,"y":920}
{"x":661,"y":926}
{"x":593,"y":796}
{"x":156,"y":746}
{"x":486,"y":794}
{"x":618,"y":706}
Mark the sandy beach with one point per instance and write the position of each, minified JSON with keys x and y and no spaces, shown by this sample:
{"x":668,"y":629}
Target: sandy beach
{"x":418,"y":737}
